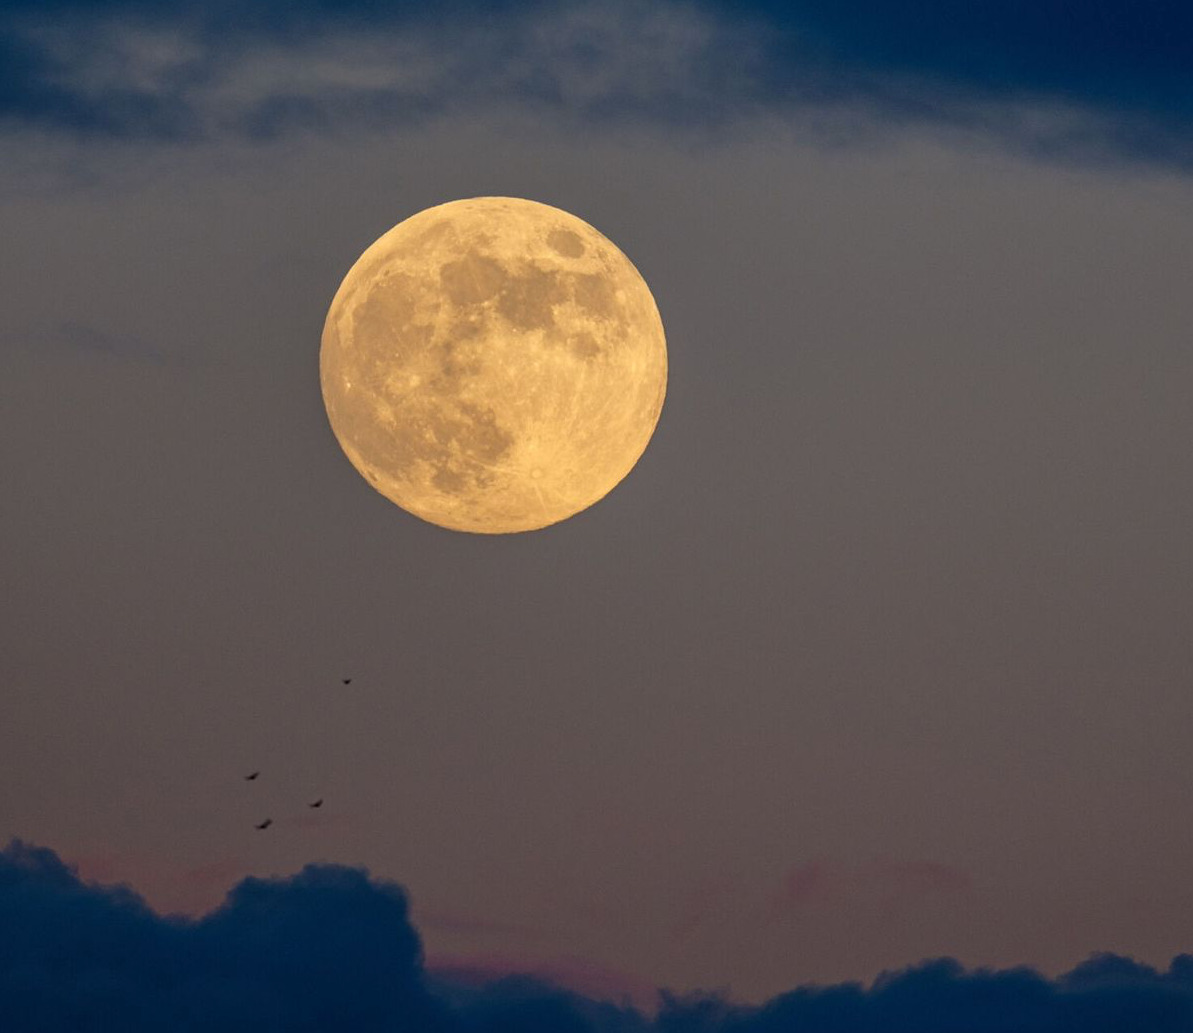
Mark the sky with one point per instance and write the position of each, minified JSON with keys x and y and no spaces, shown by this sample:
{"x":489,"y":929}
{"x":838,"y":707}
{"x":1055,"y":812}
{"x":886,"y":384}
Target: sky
{"x":880,"y":654}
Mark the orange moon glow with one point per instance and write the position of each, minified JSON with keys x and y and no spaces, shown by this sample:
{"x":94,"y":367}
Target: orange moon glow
{"x":493,"y":365}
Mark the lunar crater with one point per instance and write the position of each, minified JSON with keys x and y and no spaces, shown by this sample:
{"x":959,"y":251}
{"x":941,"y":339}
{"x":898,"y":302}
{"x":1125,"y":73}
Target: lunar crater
{"x":584,"y":346}
{"x":566,"y":243}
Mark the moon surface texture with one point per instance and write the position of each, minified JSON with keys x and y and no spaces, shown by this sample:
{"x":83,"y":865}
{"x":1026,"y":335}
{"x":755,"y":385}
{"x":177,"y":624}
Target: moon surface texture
{"x":493,"y":365}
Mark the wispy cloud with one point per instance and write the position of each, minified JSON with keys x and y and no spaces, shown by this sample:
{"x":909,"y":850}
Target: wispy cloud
{"x":1110,"y":81}
{"x":127,"y":74}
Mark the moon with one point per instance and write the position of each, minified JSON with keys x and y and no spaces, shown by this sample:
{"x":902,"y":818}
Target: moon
{"x":493,"y":365}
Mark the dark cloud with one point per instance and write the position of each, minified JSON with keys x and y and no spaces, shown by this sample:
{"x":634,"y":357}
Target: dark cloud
{"x":1094,"y":79}
{"x":1102,"y":51}
{"x":332,"y":949}
{"x":1097,"y":80}
{"x":1106,"y":994}
{"x":468,"y":977}
{"x":527,"y":1004}
{"x":325,"y":949}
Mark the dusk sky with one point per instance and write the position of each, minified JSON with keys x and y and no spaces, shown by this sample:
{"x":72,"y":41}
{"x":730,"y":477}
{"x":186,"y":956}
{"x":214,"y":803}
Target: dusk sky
{"x":882,"y":651}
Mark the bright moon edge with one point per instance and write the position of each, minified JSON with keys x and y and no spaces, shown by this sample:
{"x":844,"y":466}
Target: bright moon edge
{"x":493,"y":365}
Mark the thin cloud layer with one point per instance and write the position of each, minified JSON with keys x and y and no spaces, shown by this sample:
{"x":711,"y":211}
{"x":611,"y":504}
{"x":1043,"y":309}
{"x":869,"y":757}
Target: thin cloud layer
{"x":333,"y":949}
{"x":138,"y":72}
{"x":1103,"y":80}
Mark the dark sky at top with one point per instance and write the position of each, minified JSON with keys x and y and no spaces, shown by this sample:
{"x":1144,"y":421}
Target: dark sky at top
{"x":880,"y":653}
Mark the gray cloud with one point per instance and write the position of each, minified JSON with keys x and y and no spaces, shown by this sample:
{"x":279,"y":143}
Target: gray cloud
{"x":1032,"y":78}
{"x":112,"y":75}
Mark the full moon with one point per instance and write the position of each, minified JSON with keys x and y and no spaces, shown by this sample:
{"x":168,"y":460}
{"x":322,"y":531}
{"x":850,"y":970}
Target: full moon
{"x":493,"y":365}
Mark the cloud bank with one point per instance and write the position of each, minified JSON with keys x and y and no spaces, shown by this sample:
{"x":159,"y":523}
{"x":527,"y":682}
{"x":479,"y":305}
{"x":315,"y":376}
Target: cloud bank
{"x":1099,"y":80}
{"x":325,"y":949}
{"x":333,"y":949}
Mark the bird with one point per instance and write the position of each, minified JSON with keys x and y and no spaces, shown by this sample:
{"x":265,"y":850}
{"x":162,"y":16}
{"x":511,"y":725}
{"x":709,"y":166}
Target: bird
{"x":250,"y":778}
{"x":346,"y":681}
{"x":317,"y":803}
{"x":265,"y":824}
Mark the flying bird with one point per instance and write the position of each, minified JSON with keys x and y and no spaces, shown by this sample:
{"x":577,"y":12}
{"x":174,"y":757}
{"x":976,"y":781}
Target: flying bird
{"x":265,"y":824}
{"x":317,"y":803}
{"x":249,"y":778}
{"x":347,"y":681}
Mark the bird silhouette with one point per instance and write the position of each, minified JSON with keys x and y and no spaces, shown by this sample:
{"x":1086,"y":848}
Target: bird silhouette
{"x":346,"y":681}
{"x":250,"y":778}
{"x":317,"y":803}
{"x":265,"y":824}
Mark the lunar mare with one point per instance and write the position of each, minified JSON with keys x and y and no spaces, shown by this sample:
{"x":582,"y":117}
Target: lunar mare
{"x":493,"y":365}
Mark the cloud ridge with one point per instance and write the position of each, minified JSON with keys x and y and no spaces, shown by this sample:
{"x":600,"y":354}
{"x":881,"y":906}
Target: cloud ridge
{"x":332,"y":948}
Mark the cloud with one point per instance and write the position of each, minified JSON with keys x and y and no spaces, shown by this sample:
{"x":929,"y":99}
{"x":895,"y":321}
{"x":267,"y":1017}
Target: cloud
{"x":1108,"y":994}
{"x":134,"y":71}
{"x":483,"y":1000}
{"x":332,"y":949}
{"x":1101,"y":80}
{"x":327,"y":948}
{"x":474,"y":973}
